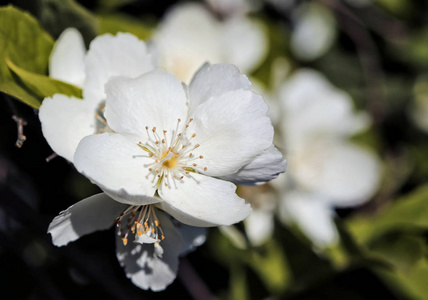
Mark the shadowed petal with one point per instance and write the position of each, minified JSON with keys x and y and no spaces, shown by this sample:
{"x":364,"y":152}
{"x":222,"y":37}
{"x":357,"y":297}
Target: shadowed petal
{"x":97,"y":212}
{"x":149,"y":267}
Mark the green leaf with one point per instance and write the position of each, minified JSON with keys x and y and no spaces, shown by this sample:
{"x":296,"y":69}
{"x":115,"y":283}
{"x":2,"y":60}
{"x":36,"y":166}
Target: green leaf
{"x":124,"y":23}
{"x":406,"y":213}
{"x":306,"y":266}
{"x":238,"y":283}
{"x":111,"y":5}
{"x":57,"y":15}
{"x":44,"y":86}
{"x":412,"y":284}
{"x":271,"y":266}
{"x":400,"y":250}
{"x":24,"y":41}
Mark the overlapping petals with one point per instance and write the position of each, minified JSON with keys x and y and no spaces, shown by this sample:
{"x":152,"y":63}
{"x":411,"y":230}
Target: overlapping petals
{"x":150,"y":266}
{"x":66,"y":120}
{"x":228,"y":132}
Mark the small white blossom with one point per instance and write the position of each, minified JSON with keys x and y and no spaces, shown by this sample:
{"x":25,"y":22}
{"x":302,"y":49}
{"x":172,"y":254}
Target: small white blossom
{"x":183,"y":47}
{"x":325,"y":169}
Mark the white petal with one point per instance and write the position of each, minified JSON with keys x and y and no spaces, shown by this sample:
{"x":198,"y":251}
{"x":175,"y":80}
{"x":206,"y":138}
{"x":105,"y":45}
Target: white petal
{"x":200,"y":200}
{"x":263,"y":168}
{"x":311,"y":213}
{"x":259,"y":227}
{"x":245,"y":43}
{"x":108,"y":56}
{"x":66,"y":60}
{"x":156,"y":99}
{"x":65,"y":121}
{"x":183,"y":47}
{"x":97,"y":212}
{"x":230,"y":8}
{"x":231,"y":130}
{"x":145,"y":239}
{"x":313,"y":108}
{"x":117,"y":165}
{"x":143,"y":263}
{"x":346,"y":174}
{"x":214,"y":81}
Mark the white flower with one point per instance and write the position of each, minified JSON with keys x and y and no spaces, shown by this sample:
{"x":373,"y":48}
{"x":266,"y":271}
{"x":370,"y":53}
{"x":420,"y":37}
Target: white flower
{"x":66,"y":120}
{"x":183,"y":46}
{"x":148,"y":266}
{"x":231,"y":8}
{"x":314,"y":31}
{"x":175,"y":147}
{"x":326,"y":170}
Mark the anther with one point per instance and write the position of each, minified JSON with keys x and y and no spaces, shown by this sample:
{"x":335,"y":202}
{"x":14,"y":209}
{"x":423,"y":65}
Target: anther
{"x":205,"y":168}
{"x":154,"y":129}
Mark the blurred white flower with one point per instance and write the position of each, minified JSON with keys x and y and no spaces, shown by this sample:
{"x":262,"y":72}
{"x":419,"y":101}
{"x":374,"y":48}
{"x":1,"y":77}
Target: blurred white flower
{"x":190,"y":35}
{"x":177,"y":147}
{"x":148,"y":266}
{"x":314,"y":31}
{"x":325,"y":169}
{"x":66,"y":120}
{"x":231,"y":8}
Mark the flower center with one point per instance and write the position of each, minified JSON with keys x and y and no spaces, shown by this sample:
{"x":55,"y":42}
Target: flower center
{"x":173,"y":158}
{"x":140,"y":221}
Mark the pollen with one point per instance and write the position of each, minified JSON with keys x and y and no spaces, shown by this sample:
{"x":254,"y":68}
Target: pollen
{"x":140,"y":220}
{"x":173,"y":154}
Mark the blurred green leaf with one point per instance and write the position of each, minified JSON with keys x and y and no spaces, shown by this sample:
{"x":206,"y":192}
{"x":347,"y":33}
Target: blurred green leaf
{"x":44,"y":86}
{"x":400,"y":250}
{"x":111,"y":5}
{"x":306,"y":266}
{"x":124,"y":23}
{"x":238,"y":283}
{"x":57,"y":15}
{"x":407,"y":212}
{"x":411,"y":283}
{"x":23,"y":41}
{"x":399,"y":8}
{"x":269,"y":262}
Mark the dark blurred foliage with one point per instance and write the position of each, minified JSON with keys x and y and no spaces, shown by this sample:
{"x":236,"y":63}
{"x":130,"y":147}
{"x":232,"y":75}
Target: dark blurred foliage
{"x":376,"y":58}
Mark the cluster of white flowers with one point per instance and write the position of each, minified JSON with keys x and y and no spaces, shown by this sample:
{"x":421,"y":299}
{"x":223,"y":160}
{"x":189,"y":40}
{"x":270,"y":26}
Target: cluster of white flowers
{"x":153,"y":145}
{"x":167,"y":129}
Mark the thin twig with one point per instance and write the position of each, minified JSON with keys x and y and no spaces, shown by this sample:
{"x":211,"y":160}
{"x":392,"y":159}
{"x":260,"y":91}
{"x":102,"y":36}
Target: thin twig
{"x":20,"y":123}
{"x":50,"y":157}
